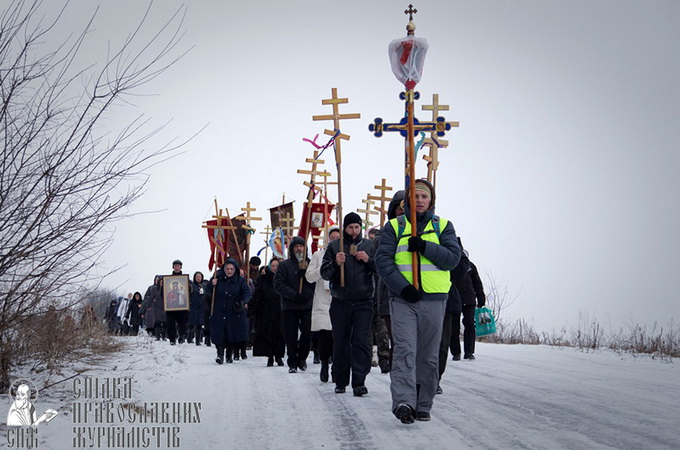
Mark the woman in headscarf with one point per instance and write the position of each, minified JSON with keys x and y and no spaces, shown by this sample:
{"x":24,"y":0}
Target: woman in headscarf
{"x":197,"y":309}
{"x":152,"y":310}
{"x":265,"y":310}
{"x":134,"y":313}
{"x":228,"y":323}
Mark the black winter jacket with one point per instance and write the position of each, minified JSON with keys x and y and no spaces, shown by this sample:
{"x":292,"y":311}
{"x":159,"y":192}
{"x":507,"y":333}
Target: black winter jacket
{"x":470,"y":287}
{"x":358,"y":274}
{"x":287,"y":282}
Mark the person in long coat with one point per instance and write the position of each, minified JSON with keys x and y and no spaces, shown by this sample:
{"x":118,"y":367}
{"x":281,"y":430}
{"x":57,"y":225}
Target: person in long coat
{"x":153,"y":311}
{"x":265,"y":310}
{"x":228,"y":323}
{"x":197,"y":309}
{"x":133,"y":314}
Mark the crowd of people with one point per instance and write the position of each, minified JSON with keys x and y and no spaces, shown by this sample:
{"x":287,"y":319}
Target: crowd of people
{"x":403,"y":293}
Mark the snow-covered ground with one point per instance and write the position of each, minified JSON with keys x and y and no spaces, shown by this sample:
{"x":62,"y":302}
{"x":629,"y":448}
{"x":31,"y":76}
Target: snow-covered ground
{"x":521,"y":397}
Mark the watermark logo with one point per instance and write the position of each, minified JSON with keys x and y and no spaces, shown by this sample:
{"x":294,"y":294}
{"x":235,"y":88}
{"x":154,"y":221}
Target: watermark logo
{"x":22,"y":416}
{"x":22,"y":411}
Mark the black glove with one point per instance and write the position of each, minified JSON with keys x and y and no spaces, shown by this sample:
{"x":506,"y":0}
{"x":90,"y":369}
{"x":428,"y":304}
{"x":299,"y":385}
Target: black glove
{"x":410,"y":294}
{"x":300,"y":298}
{"x":416,"y":244}
{"x":481,"y":303}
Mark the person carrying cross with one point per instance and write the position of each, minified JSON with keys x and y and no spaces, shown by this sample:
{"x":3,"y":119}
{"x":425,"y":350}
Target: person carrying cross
{"x":417,"y":313}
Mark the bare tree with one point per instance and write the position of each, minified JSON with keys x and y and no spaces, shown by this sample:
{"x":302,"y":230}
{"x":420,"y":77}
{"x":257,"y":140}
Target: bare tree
{"x":65,"y":174}
{"x":498,"y":298}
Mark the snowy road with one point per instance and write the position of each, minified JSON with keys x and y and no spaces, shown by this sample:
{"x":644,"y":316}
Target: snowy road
{"x":511,"y":397}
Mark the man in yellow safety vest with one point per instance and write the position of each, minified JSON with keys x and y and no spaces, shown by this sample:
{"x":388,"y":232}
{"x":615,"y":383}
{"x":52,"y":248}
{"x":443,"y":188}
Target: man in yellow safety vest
{"x":417,"y":313}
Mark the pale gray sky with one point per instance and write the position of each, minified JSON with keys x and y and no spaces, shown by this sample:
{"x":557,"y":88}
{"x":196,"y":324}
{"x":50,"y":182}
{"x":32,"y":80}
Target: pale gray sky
{"x":561,"y":180}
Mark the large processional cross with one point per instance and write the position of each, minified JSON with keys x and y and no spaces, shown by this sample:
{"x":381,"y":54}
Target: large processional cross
{"x":407,"y":56}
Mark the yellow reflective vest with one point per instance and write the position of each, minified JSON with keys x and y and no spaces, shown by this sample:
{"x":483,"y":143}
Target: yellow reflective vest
{"x":433,"y":280}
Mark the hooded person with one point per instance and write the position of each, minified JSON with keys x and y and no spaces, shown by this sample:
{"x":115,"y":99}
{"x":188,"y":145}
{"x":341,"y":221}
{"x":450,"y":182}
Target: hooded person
{"x":228,"y":324}
{"x":296,"y":304}
{"x":417,"y":313}
{"x":351,"y":306}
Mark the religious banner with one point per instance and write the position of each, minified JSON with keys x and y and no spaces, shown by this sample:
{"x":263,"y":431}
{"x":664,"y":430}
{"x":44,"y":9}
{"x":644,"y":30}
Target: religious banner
{"x":280,"y":212}
{"x":226,"y":240}
{"x":316,"y":222}
{"x":277,"y":242}
{"x":218,"y":242}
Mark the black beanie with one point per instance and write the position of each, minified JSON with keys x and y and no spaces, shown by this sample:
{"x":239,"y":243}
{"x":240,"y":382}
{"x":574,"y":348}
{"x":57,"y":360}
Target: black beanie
{"x":350,"y":219}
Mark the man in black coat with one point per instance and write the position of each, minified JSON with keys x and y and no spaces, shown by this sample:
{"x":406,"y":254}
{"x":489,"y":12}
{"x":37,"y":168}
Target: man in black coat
{"x":472,"y":295}
{"x":351,"y":305}
{"x":296,"y":304}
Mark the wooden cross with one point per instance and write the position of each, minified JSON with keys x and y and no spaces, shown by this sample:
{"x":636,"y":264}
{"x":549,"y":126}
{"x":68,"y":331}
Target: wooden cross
{"x":314,"y":162}
{"x":267,"y":231}
{"x":246,"y":226}
{"x":434,"y":143}
{"x":383,"y":187}
{"x":410,"y":11}
{"x":220,"y":227}
{"x":288,"y":225}
{"x":336,"y":117}
{"x":367,"y":213}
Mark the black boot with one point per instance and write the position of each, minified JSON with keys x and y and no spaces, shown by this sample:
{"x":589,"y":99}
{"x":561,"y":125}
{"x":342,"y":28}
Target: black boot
{"x":237,"y":355}
{"x":190,"y":336}
{"x":270,"y":361}
{"x":243,"y":352}
{"x":279,"y":361}
{"x":199,"y":335}
{"x":207,"y":340}
{"x":324,"y":372}
{"x":220,"y":355}
{"x":228,"y":357}
{"x":316,"y":358}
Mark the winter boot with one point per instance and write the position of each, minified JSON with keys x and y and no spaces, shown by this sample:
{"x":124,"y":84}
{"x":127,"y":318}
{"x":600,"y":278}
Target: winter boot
{"x":199,"y":335}
{"x":190,"y":335}
{"x":243,"y":352}
{"x":270,"y":361}
{"x":228,"y":355}
{"x":279,"y":361}
{"x":404,"y":413}
{"x":220,"y":355}
{"x":324,"y":372}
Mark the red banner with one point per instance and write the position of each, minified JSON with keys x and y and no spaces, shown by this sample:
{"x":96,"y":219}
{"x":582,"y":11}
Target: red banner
{"x":316,"y":221}
{"x":222,"y":242}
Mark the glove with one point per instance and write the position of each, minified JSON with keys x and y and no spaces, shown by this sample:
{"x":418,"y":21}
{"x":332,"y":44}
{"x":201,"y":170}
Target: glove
{"x":416,"y":244}
{"x":410,"y":294}
{"x":299,"y":297}
{"x":480,"y":304}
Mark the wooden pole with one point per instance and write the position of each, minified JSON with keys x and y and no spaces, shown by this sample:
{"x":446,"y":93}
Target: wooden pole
{"x":412,"y":183}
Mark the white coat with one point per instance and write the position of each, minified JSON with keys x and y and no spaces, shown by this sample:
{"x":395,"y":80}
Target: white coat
{"x":321,"y":305}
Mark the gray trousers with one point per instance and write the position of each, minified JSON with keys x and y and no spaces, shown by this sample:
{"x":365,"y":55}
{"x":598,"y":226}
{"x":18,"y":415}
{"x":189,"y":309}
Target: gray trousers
{"x":417,"y":333}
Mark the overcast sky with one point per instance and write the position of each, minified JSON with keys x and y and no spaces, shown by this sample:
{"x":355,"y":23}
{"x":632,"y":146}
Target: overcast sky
{"x":562,"y":179}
